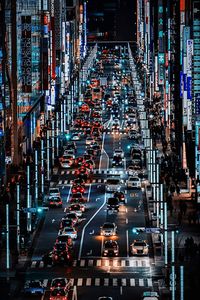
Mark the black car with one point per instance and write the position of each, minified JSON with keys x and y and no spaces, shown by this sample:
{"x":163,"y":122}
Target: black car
{"x":120,"y":195}
{"x":110,"y":248}
{"x":117,"y":161}
{"x":113,"y":203}
{"x":61,"y":254}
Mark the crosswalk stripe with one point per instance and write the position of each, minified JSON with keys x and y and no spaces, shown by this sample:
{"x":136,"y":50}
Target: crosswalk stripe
{"x":139,"y":263}
{"x":115,"y":282}
{"x":80,"y":282}
{"x":115,"y":263}
{"x":66,"y":182}
{"x":98,"y":263}
{"x":132,"y":263}
{"x":97,"y":282}
{"x":132,"y":282}
{"x":45,"y":282}
{"x":149,"y":282}
{"x":33,"y":265}
{"x":90,"y":263}
{"x":141,"y":282}
{"x":74,"y":263}
{"x":123,"y":283}
{"x":41,"y":265}
{"x":60,"y":182}
{"x":106,"y":263}
{"x":89,"y":281}
{"x":99,"y":180}
{"x":82,"y":263}
{"x":106,"y":281}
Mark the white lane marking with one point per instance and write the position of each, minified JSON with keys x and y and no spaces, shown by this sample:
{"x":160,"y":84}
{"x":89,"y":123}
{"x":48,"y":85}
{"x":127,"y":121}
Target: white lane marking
{"x":90,"y":262}
{"x":121,"y":290}
{"x":132,"y":263}
{"x":89,"y":191}
{"x":132,"y":282}
{"x":98,"y":262}
{"x":127,"y":243}
{"x":126,"y":220}
{"x":69,"y":193}
{"x":82,"y":263}
{"x":41,"y":265}
{"x":97,"y":282}
{"x":115,"y":263}
{"x":149,"y":282}
{"x":85,"y":226}
{"x":45,"y":282}
{"x":114,"y":281}
{"x":139,"y":262}
{"x":106,"y":263}
{"x":74,"y":263}
{"x":80,"y":282}
{"x":123,"y":263}
{"x":106,"y":281}
{"x":88,"y":281}
{"x":123,"y":281}
{"x":141,"y":282}
{"x":102,"y":150}
{"x":33,"y":265}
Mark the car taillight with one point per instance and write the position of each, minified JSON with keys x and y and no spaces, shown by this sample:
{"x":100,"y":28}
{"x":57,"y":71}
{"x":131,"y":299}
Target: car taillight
{"x":60,"y":202}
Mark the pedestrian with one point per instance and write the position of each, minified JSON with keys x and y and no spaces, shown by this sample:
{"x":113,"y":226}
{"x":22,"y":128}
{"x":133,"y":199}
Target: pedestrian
{"x":177,"y":190}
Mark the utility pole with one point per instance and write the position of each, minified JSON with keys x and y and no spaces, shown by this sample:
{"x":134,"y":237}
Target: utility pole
{"x":14,"y":135}
{"x":7,"y":238}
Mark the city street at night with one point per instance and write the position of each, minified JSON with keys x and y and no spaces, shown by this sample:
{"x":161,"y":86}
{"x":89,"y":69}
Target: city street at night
{"x":99,"y":150}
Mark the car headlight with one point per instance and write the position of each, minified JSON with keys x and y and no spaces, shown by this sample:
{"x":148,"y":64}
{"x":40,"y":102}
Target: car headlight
{"x":134,"y":250}
{"x":105,"y":251}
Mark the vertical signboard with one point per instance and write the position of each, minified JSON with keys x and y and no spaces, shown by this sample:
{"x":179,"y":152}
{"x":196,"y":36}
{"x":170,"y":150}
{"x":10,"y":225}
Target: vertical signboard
{"x":45,"y":47}
{"x":161,"y":55}
{"x":197,"y":149}
{"x":26,"y":57}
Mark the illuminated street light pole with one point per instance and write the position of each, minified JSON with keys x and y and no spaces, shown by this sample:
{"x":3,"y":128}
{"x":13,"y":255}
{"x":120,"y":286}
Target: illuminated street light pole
{"x":48,"y":155}
{"x":28,"y":200}
{"x":36,"y":178}
{"x":42,"y":168}
{"x":18,"y":217}
{"x":7,"y":238}
{"x":53,"y":141}
{"x":57,"y":134}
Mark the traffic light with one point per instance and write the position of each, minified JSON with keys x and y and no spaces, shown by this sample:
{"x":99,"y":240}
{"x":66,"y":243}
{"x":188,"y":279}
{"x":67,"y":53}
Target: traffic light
{"x":67,"y":136}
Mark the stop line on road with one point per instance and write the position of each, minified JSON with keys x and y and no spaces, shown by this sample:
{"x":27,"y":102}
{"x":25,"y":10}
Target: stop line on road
{"x":134,"y":263}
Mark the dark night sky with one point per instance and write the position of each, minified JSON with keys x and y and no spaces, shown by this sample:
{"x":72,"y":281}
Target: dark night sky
{"x":120,"y":20}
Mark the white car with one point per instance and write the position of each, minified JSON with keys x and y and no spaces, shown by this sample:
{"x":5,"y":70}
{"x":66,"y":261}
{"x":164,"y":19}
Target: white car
{"x":133,"y":182}
{"x":113,"y":184}
{"x":131,"y":170}
{"x":118,"y":152}
{"x":71,"y":231}
{"x":139,"y":247}
{"x":89,"y":140}
{"x":69,"y":152}
{"x":66,"y":163}
{"x":75,"y":208}
{"x":108,"y":229}
{"x":54,"y":192}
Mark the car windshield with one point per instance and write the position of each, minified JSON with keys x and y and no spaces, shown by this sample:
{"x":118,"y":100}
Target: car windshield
{"x":60,"y":282}
{"x":140,"y":244}
{"x":108,"y":225}
{"x":60,"y":247}
{"x":110,"y":245}
{"x":113,"y":181}
{"x":54,"y":191}
{"x":58,"y":292}
{"x":112,"y":201}
{"x":35,"y":284}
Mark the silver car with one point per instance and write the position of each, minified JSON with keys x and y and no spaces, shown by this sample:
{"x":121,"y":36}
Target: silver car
{"x":113,"y":184}
{"x":108,"y":229}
